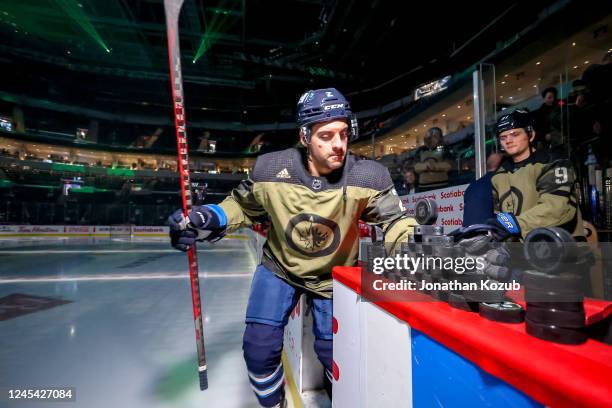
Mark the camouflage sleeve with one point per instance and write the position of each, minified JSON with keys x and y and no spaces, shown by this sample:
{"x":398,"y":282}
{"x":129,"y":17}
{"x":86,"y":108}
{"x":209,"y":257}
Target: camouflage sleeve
{"x":385,"y":209}
{"x":556,"y":205}
{"x":495,"y":194}
{"x":241,"y":206}
{"x":397,"y":232}
{"x":444,"y":165}
{"x":420,"y":167}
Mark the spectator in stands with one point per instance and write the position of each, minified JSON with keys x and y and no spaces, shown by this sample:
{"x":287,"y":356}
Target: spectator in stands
{"x":478,"y":197}
{"x":204,"y":145}
{"x":586,"y":124}
{"x":147,"y":141}
{"x":548,"y":120}
{"x":434,"y":161}
{"x":199,"y":194}
{"x":598,"y":79}
{"x":408,"y":183}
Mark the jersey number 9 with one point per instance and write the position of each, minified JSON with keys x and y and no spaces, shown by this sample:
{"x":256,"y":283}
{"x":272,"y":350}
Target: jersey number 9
{"x":561,"y":175}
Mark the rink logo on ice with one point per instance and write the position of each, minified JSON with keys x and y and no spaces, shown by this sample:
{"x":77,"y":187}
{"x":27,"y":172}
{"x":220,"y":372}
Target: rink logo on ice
{"x":19,"y":304}
{"x":312,"y":235}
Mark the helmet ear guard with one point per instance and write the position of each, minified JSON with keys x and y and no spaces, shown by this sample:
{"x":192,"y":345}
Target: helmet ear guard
{"x":353,"y":127}
{"x":305,"y":130}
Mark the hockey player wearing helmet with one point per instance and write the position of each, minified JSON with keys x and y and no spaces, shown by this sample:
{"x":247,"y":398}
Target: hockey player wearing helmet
{"x":314,"y":197}
{"x":532,"y":188}
{"x":434,"y":161}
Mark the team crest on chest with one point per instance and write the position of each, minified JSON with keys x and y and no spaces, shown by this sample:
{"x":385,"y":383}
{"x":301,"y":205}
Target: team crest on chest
{"x":312,"y":235}
{"x":316,"y":184}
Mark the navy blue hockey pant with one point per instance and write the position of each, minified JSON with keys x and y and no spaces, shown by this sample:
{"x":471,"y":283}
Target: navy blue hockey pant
{"x":270,"y":303}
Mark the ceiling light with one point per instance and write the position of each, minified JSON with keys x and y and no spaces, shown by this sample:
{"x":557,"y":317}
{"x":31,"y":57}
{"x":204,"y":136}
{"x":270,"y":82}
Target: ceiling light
{"x":538,"y":63}
{"x":469,"y":117}
{"x":416,"y":130}
{"x":458,"y":106}
{"x":586,"y":62}
{"x":506,"y":76}
{"x":520,"y":89}
{"x":503,"y":82}
{"x":535,"y":86}
{"x":509,"y":97}
{"x":575,"y":66}
{"x":444,"y":115}
{"x":573,"y":44}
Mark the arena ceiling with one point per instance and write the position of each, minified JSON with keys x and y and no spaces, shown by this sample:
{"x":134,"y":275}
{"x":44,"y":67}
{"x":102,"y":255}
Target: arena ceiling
{"x":243,"y":60}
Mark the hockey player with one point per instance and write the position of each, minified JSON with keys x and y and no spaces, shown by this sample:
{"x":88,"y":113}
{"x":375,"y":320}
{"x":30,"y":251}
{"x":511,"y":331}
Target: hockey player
{"x":434,"y":161}
{"x":532,"y":189}
{"x":314,"y":197}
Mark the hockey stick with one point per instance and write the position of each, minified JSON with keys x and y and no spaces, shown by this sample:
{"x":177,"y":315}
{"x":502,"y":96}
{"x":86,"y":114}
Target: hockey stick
{"x":173,"y":9}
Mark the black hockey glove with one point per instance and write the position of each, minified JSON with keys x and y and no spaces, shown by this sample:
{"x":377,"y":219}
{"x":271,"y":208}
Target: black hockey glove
{"x":204,"y":223}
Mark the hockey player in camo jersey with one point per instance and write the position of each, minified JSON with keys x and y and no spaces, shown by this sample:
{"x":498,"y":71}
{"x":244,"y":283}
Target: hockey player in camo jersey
{"x":532,"y":189}
{"x":314,"y":197}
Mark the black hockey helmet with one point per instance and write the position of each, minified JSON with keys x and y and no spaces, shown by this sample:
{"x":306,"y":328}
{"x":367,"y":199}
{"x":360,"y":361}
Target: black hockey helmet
{"x":516,"y":119}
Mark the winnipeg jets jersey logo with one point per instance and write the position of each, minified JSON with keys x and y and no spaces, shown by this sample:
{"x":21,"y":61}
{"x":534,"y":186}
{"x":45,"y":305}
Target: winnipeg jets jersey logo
{"x":312,"y":235}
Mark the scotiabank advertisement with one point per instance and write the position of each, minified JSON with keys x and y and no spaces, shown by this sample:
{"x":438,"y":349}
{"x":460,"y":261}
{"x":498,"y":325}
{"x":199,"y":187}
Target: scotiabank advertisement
{"x":150,"y":230}
{"x":450,"y":205}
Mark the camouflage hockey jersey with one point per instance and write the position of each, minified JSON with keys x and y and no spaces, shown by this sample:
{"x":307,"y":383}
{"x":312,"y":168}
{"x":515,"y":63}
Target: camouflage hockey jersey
{"x":540,"y":192}
{"x":433,"y":167}
{"x":314,"y":220}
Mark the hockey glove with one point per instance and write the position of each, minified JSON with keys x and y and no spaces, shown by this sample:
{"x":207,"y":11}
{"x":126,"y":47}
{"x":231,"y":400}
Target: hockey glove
{"x":506,"y":226}
{"x":204,"y":223}
{"x":209,"y":220}
{"x":496,"y":262}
